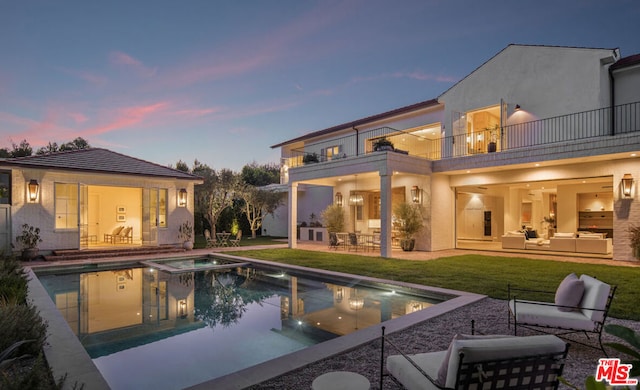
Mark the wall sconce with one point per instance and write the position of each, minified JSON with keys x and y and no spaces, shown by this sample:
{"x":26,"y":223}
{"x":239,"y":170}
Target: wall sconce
{"x":627,"y":185}
{"x":32,"y":190}
{"x":182,"y":197}
{"x":339,"y":294}
{"x":416,"y":195}
{"x":338,"y":199}
{"x":182,"y":308}
{"x":517,"y":108}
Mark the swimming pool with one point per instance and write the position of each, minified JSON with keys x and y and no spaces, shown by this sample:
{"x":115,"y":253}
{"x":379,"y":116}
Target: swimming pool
{"x":177,"y":323}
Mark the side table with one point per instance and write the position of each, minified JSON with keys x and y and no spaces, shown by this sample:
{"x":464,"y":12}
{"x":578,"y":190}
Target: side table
{"x":341,"y":380}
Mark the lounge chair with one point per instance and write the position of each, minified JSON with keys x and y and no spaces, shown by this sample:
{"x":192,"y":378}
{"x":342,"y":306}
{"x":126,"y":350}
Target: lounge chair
{"x":354,"y":242}
{"x":110,"y":237}
{"x":211,"y":243}
{"x":480,"y":362}
{"x":236,"y":241}
{"x":125,"y":236}
{"x":581,"y":306}
{"x":335,"y":241}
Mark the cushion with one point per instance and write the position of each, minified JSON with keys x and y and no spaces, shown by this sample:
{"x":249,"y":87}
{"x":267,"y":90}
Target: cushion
{"x":503,"y":347}
{"x":569,"y":292}
{"x":532,"y":234}
{"x":590,"y":235}
{"x":563,"y":235}
{"x":595,"y":296}
{"x":442,"y":372}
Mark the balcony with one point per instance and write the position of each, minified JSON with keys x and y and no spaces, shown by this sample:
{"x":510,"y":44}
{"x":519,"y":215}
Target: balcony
{"x":429,"y":144}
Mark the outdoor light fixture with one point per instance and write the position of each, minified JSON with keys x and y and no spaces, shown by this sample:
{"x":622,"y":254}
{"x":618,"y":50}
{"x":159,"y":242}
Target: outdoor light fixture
{"x":339,"y":294}
{"x":627,"y":184}
{"x":517,"y":108}
{"x":32,"y":190}
{"x":416,"y":194}
{"x":338,"y":199}
{"x":356,"y":303}
{"x":356,"y":199}
{"x":182,"y":197}
{"x":182,"y":308}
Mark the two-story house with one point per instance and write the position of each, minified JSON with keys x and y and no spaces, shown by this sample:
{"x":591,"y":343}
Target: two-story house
{"x":537,"y":138}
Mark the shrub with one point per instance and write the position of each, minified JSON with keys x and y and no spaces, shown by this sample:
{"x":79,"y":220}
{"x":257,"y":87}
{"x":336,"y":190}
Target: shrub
{"x":21,"y":322}
{"x":13,"y":281}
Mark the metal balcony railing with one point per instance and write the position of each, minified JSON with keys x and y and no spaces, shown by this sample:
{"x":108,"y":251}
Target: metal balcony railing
{"x":602,"y":122}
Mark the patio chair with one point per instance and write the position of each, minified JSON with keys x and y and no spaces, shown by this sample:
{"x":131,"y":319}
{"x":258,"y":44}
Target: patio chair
{"x":581,"y":306}
{"x":211,"y":243}
{"x":480,"y":362}
{"x":125,"y":236}
{"x":110,"y":237}
{"x":236,"y":241}
{"x":354,"y":242}
{"x":335,"y":241}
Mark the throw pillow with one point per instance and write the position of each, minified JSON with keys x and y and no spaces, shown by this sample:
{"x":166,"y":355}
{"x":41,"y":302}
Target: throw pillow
{"x":569,"y":293}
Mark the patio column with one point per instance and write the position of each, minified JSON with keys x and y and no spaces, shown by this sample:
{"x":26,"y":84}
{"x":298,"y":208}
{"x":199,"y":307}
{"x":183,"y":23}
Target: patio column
{"x":293,"y":215}
{"x":385,"y":215}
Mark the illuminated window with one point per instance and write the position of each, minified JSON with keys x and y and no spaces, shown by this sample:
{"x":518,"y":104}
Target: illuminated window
{"x":66,"y":206}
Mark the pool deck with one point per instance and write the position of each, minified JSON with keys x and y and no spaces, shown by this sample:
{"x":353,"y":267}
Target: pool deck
{"x":66,"y":355}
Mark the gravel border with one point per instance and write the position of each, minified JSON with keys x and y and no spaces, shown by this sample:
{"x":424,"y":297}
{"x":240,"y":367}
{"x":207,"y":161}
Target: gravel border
{"x":490,"y":317}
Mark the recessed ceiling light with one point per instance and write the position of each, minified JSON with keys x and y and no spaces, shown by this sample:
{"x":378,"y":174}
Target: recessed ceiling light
{"x":633,"y":154}
{"x":468,"y":171}
{"x":537,"y":165}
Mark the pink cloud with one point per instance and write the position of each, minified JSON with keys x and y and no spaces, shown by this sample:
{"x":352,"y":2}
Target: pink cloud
{"x":127,"y":117}
{"x":90,"y":77}
{"x":78,"y":117}
{"x":198,"y":112}
{"x":124,"y":59}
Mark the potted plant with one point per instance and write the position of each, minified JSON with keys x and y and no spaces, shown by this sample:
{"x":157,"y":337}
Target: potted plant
{"x":29,"y":240}
{"x":310,"y":158}
{"x":185,"y":234}
{"x":409,"y":223}
{"x":493,"y":137}
{"x":634,"y":240}
{"x":333,"y":218}
{"x":382,"y":144}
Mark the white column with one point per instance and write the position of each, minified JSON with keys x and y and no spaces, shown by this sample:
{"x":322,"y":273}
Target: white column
{"x":293,"y":215}
{"x":385,"y":215}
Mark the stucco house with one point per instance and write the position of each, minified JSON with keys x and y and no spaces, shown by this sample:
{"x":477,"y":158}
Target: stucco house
{"x":77,"y":199}
{"x":542,"y":139}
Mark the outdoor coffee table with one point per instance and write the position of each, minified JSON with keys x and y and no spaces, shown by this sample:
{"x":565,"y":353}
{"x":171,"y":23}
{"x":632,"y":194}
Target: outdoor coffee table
{"x":340,"y":380}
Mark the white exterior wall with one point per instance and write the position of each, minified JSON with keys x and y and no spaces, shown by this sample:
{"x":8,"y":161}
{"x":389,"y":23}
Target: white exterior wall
{"x":627,"y":85}
{"x":42,"y":213}
{"x":544,"y":81}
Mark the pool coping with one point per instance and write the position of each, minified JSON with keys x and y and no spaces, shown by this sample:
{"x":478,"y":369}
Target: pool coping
{"x":66,"y":355}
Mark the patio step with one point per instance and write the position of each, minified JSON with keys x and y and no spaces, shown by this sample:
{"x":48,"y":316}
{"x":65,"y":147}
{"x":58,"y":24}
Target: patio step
{"x":76,"y":254}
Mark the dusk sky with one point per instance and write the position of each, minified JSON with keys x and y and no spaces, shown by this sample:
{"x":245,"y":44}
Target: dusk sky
{"x":222,"y":81}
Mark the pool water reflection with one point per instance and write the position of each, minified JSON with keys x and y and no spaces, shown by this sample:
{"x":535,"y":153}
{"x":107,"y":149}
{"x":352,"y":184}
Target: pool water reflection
{"x":146,"y":328}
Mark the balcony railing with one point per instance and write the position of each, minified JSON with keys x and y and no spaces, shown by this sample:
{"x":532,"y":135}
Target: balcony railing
{"x":602,"y":122}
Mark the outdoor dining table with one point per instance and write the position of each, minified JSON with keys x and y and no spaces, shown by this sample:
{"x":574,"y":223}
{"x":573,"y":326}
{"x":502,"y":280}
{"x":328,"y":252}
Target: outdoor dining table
{"x":223,"y":238}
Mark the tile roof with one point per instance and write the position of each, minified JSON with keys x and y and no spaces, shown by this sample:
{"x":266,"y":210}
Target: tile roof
{"x":98,"y":160}
{"x":626,"y":62}
{"x":348,"y":125}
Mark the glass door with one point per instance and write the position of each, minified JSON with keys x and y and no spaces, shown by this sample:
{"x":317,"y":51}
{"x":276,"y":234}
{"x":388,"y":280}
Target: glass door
{"x":150,"y":216}
{"x":83,"y":216}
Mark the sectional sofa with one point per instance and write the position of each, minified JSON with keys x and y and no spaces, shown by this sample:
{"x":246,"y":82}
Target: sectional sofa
{"x":583,"y":242}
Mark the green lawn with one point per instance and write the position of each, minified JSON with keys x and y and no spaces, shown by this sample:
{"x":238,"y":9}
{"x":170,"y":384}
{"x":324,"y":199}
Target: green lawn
{"x":487,"y":275}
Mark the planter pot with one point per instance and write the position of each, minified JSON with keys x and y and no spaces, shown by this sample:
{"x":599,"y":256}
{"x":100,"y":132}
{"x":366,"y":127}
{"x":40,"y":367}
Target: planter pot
{"x":29,"y":254}
{"x":407,"y":245}
{"x":384,"y":148}
{"x":492,"y":147}
{"x":188,"y":245}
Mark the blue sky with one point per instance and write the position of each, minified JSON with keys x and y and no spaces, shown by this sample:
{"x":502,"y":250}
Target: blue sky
{"x":222,"y":81}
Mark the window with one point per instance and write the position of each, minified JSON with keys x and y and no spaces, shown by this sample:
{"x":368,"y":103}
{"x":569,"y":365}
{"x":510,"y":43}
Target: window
{"x":5,"y":187}
{"x":66,"y":206}
{"x":162,"y":207}
{"x":331,"y":153}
